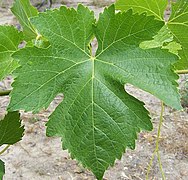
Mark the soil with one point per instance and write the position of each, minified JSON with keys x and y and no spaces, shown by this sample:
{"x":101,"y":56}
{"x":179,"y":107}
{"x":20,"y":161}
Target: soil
{"x":37,"y":157}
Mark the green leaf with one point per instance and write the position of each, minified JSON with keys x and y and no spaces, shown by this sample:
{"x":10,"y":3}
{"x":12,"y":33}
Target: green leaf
{"x":2,"y":169}
{"x":163,"y":36}
{"x":11,"y":130}
{"x":173,"y":47}
{"x":10,"y":39}
{"x":163,"y":39}
{"x":23,"y":10}
{"x":97,"y":119}
{"x":152,"y":7}
{"x":178,"y":24}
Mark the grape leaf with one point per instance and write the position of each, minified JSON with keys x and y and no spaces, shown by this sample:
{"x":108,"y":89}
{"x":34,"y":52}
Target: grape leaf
{"x":178,"y":24}
{"x":11,"y":130}
{"x":2,"y":169}
{"x":152,"y":7}
{"x":97,"y":119}
{"x":23,"y":10}
{"x":10,"y":39}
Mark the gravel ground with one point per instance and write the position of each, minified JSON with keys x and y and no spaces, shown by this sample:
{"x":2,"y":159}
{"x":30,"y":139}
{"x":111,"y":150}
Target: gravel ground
{"x":38,"y":157}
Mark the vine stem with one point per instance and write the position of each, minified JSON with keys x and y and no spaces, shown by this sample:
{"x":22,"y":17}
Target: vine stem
{"x":1,"y":152}
{"x":156,"y":151}
{"x":182,"y":71}
{"x":158,"y":138}
{"x":5,"y":93}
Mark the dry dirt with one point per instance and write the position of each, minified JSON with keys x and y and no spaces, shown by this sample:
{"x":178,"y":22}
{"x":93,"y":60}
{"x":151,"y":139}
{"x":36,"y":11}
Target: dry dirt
{"x":38,"y":157}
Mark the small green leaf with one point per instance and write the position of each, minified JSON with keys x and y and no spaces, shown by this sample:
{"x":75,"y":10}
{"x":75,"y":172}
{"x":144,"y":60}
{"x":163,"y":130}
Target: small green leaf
{"x":163,"y":36}
{"x":11,"y":130}
{"x":178,"y":24}
{"x":23,"y":10}
{"x":97,"y":119}
{"x":10,"y":39}
{"x":173,"y":47}
{"x":163,"y":39}
{"x":2,"y":169}
{"x":41,"y":42}
{"x":152,"y":7}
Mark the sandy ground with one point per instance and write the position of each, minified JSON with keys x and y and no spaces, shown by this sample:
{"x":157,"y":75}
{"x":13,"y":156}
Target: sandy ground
{"x":38,"y":157}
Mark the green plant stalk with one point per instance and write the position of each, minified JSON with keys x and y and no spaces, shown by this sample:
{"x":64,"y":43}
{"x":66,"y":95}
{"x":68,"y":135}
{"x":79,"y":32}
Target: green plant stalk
{"x":1,"y":152}
{"x":157,"y":142}
{"x":5,"y":93}
{"x":150,"y":164}
{"x":156,"y":151}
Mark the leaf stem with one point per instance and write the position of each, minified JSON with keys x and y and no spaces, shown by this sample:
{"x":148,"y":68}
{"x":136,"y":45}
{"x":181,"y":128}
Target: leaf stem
{"x":182,"y":71}
{"x":160,"y":165}
{"x":5,"y":93}
{"x":150,"y":165}
{"x":157,"y":141}
{"x":156,"y":151}
{"x":1,"y":152}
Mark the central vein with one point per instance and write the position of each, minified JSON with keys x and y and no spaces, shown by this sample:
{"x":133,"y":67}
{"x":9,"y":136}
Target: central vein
{"x":92,"y":104}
